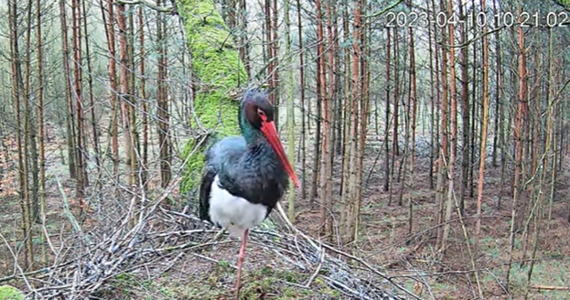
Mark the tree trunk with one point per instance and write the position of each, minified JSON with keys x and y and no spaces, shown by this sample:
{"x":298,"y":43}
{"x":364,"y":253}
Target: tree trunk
{"x":16,"y":76}
{"x":41,"y":132}
{"x":290,"y":100}
{"x":142,"y":87}
{"x":453,"y":135}
{"x":413,"y":98}
{"x":328,"y":97}
{"x":163,"y":107}
{"x":364,"y":52}
{"x":205,"y":40}
{"x":302,"y":96}
{"x":484,"y":121}
{"x":78,"y":95}
{"x":387,"y":114}
{"x":94,"y":127}
{"x":356,"y":94}
{"x":518,"y":141}
{"x":30,"y":141}
{"x":114,"y":132}
{"x":125,"y":93}
{"x":244,"y":43}
{"x":71,"y":151}
{"x":465,"y":109}
{"x":440,"y":185}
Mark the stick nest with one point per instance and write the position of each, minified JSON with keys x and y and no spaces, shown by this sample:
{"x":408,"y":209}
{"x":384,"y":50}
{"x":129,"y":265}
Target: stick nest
{"x":153,"y":240}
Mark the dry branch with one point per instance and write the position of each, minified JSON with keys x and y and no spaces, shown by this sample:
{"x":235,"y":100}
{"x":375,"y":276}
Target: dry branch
{"x":161,"y":237}
{"x":550,"y":288}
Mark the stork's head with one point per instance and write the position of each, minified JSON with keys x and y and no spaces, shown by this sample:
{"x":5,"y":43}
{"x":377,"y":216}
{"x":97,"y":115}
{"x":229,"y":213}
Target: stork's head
{"x":258,"y":112}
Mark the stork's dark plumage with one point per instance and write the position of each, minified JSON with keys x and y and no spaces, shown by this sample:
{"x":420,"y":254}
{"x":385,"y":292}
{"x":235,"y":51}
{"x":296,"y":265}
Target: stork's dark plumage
{"x":246,"y":175}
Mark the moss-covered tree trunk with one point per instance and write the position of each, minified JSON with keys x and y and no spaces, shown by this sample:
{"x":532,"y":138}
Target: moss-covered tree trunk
{"x":217,"y":72}
{"x":565,"y":3}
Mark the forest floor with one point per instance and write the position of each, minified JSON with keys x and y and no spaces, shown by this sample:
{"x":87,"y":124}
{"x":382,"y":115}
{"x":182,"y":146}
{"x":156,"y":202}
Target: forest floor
{"x":384,"y":241}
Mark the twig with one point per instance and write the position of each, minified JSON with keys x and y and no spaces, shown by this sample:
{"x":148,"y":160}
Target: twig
{"x":69,"y":214}
{"x":317,"y":270}
{"x":550,"y":288}
{"x":367,"y":265}
{"x":385,"y":10}
{"x":16,"y":262}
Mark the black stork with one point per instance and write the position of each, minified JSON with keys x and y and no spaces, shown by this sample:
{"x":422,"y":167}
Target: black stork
{"x":244,"y":176}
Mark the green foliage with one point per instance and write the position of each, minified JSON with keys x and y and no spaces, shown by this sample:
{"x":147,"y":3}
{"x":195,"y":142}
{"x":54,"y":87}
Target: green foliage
{"x":216,"y":64}
{"x":8,"y":292}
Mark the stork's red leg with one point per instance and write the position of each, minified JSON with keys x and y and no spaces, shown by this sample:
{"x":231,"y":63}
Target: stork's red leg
{"x":240,"y":260}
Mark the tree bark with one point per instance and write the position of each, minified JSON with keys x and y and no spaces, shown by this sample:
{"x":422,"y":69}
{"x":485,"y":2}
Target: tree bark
{"x":518,"y":140}
{"x":78,"y":95}
{"x":16,"y":76}
{"x":484,"y":124}
{"x":211,"y":48}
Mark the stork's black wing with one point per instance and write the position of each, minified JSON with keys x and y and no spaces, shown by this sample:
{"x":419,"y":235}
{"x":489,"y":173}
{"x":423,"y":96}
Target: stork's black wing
{"x":222,"y":154}
{"x":205,"y":189}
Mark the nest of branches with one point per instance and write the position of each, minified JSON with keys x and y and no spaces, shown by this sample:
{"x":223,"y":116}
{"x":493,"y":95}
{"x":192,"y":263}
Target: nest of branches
{"x":154,"y":239}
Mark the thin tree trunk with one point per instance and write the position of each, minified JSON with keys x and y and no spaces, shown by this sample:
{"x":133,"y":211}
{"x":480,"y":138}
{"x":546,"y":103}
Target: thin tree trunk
{"x":433,"y":86}
{"x":387,"y":113}
{"x":270,"y":57}
{"x":364,"y":52}
{"x":551,"y":96}
{"x":70,"y":121}
{"x":413,"y":96}
{"x":290,"y":105}
{"x":41,"y":131}
{"x":322,"y":95}
{"x":144,"y":165}
{"x":125,"y":94}
{"x":244,"y":44}
{"x":453,"y":135}
{"x":30,"y":142}
{"x":78,"y":94}
{"x":347,"y":130}
{"x":327,"y":108}
{"x":274,"y":44}
{"x":464,"y":57}
{"x":484,"y":121}
{"x":163,"y":107}
{"x":499,"y":76}
{"x":356,"y":94}
{"x":440,"y":187}
{"x":114,"y":132}
{"x":302,"y":95}
{"x":395,"y":146}
{"x":518,"y":141}
{"x":320,"y":80}
{"x":94,"y":127}
{"x":16,"y":77}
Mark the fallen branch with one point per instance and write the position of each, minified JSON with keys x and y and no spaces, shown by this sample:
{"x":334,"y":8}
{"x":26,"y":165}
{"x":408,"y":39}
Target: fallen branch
{"x":550,"y":288}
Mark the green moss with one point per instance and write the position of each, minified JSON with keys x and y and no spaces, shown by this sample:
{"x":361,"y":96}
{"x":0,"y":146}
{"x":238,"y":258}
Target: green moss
{"x":216,"y":64}
{"x":8,"y":292}
{"x":266,"y":282}
{"x":565,"y":3}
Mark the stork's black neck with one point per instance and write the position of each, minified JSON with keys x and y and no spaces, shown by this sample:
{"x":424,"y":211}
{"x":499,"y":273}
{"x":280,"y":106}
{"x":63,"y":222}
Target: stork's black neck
{"x":258,"y":176}
{"x":251,"y":134}
{"x":259,"y":152}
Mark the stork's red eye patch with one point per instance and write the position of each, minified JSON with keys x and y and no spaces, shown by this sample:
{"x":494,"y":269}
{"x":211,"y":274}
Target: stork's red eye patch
{"x":262,"y":115}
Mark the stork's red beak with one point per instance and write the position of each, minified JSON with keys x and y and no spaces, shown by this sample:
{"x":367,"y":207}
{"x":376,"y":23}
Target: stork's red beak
{"x":268,"y":129}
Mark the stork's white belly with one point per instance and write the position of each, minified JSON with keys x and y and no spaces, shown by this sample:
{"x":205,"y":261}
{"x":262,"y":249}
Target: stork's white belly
{"x":234,"y":213}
